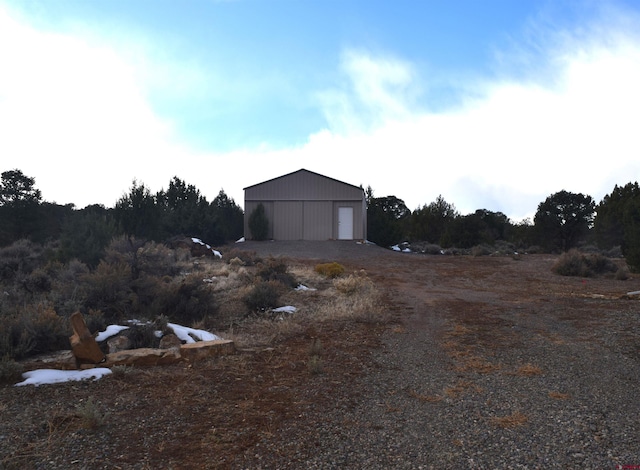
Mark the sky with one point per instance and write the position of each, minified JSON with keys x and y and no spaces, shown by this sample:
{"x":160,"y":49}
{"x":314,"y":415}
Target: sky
{"x":492,"y":105}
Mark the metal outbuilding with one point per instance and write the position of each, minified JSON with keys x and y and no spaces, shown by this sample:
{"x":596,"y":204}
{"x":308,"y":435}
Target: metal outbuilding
{"x":304,"y":205}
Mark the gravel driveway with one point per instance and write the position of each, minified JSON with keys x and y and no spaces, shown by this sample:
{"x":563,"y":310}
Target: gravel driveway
{"x":487,"y":362}
{"x":495,"y":363}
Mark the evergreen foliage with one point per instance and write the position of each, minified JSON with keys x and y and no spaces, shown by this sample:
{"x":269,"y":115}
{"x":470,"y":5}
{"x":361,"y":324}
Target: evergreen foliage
{"x":258,"y":223}
{"x":563,"y":220}
{"x":387,"y":219}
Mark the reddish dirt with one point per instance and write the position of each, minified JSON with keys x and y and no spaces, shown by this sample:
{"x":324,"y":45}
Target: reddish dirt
{"x":209,"y":414}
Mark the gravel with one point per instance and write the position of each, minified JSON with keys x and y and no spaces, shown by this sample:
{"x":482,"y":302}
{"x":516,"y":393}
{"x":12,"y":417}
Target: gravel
{"x":483,"y":371}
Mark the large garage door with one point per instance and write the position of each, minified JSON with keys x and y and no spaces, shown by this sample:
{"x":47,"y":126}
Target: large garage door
{"x":287,"y":220}
{"x":345,"y":223}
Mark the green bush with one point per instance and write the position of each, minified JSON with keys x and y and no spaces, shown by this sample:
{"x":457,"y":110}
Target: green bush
{"x":258,"y":223}
{"x":330,"y":270}
{"x":263,"y":295}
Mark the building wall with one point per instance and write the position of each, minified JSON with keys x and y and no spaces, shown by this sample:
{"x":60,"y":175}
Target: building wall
{"x":304,"y":206}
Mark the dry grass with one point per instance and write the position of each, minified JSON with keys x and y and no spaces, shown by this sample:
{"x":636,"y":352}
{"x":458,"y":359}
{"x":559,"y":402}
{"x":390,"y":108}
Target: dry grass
{"x":461,"y":387}
{"x":513,"y":420}
{"x":528,"y":370}
{"x":559,"y":395}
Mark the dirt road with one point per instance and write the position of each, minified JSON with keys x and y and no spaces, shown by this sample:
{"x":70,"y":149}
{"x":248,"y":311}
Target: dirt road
{"x":489,"y":362}
{"x":496,"y":363}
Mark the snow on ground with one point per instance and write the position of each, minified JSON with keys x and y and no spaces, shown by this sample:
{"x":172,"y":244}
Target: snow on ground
{"x":52,"y":376}
{"x":187,"y":334}
{"x":302,"y":287}
{"x":285,"y":309}
{"x":111,"y":330}
{"x":397,"y":248}
{"x":216,"y":253}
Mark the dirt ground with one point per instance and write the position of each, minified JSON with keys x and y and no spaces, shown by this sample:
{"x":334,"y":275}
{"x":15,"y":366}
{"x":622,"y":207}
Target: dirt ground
{"x":484,"y":321}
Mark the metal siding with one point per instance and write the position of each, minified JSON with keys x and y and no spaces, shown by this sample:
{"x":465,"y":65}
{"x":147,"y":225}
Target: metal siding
{"x":304,"y":206}
{"x":303,"y":186}
{"x":287,"y":220}
{"x":318,"y":220}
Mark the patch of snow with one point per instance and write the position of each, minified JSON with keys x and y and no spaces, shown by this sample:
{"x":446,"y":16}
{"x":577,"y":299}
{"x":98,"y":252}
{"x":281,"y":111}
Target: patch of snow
{"x":111,"y":330}
{"x":216,"y":253}
{"x":187,"y":334}
{"x":285,"y":309}
{"x":209,"y":280}
{"x":52,"y":376}
{"x":240,"y":240}
{"x":302,"y":287}
{"x":395,"y":248}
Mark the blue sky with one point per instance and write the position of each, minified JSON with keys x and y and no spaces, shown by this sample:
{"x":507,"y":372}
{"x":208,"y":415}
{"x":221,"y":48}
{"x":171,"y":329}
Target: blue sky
{"x":493,"y":104}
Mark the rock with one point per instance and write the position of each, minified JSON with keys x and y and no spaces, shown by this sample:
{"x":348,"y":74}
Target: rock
{"x":143,"y":357}
{"x":206,"y":349}
{"x":170,"y":341}
{"x":83,"y":344}
{"x":118,"y":343}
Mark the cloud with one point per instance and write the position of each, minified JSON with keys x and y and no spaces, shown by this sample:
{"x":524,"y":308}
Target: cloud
{"x":375,"y":90}
{"x":557,"y":113}
{"x":73,"y":114}
{"x":514,"y":139}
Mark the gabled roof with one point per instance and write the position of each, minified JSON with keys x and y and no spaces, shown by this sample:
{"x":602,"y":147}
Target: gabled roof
{"x":302,"y":170}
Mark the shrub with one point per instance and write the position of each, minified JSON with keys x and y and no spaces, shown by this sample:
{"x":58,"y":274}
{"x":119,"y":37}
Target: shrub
{"x":330,"y":270}
{"x":158,"y":260}
{"x":21,"y":257}
{"x":186,"y":302}
{"x":432,"y":249}
{"x":574,"y":263}
{"x":276,"y":270}
{"x":570,"y":263}
{"x":258,"y":223}
{"x":108,"y":289}
{"x":481,"y":250}
{"x":262,"y":296}
{"x":10,"y":370}
{"x":90,"y":415}
{"x":48,"y":331}
{"x":315,"y":365}
{"x":142,"y":335}
{"x":37,"y":281}
{"x":600,"y":264}
{"x":33,"y":332}
{"x":237,"y":256}
{"x":352,"y":284}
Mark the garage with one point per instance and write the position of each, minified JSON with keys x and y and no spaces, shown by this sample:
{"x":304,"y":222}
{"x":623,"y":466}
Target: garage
{"x":304,"y":205}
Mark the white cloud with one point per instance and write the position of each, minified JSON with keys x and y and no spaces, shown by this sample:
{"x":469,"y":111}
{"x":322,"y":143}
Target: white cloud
{"x":508,"y":146}
{"x":73,"y":114}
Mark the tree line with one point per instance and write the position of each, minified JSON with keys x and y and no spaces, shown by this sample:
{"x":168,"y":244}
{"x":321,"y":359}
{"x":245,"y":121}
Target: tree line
{"x":564,"y":220}
{"x":180,"y":210}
